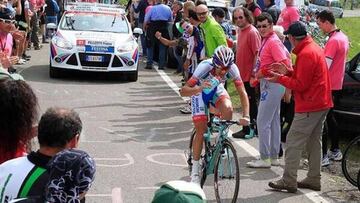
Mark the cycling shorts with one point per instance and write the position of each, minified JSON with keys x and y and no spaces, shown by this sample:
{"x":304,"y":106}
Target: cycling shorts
{"x":199,"y":105}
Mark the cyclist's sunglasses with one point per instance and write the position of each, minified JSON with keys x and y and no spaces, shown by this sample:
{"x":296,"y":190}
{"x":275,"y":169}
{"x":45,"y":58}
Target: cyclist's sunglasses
{"x":7,"y":21}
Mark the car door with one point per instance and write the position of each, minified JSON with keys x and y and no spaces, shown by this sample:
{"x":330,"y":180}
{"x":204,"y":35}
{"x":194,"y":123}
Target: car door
{"x":348,"y":104}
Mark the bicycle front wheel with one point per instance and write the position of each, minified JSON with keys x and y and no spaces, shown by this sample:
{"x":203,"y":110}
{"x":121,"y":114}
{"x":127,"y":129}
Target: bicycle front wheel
{"x":350,"y":163}
{"x":227,"y":174}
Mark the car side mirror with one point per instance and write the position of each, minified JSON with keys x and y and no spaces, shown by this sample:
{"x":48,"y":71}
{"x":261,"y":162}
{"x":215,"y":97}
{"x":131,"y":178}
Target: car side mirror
{"x":137,"y":32}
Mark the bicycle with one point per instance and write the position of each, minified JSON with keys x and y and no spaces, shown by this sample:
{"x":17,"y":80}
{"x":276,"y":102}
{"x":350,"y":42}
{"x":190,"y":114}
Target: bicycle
{"x":219,"y":159}
{"x":350,"y":163}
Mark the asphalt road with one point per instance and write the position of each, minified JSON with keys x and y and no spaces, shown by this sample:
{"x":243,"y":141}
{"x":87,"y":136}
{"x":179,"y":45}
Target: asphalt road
{"x":137,"y":137}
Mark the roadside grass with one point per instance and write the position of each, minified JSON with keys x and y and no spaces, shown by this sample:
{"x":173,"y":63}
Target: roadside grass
{"x":351,"y":27}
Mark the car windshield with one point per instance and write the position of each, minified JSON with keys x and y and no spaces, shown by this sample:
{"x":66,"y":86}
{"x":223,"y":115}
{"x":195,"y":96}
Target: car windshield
{"x":94,"y":22}
{"x":335,"y":4}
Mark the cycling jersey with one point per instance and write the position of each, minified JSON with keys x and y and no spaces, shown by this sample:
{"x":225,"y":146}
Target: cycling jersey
{"x":23,"y":177}
{"x":205,"y":72}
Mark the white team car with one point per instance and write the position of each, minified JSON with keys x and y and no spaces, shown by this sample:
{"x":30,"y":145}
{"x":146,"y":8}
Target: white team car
{"x":94,"y":37}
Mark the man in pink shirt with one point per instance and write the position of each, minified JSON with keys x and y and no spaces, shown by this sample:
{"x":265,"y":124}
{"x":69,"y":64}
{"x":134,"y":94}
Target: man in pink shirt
{"x":287,"y":16}
{"x":248,"y":43}
{"x":336,"y":50}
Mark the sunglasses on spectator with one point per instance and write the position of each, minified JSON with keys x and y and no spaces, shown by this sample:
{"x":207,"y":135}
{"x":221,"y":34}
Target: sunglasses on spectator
{"x":7,"y":21}
{"x":202,"y":14}
{"x":238,"y":18}
{"x":262,"y":26}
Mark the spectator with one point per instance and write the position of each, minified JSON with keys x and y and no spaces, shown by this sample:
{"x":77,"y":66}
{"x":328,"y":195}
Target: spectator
{"x":248,"y":44}
{"x":134,"y":17}
{"x":219,"y":16}
{"x":18,"y":115}
{"x":177,"y":7}
{"x":6,"y":40}
{"x":23,"y":21}
{"x":179,"y":191}
{"x":51,"y":11}
{"x":157,"y":19}
{"x":71,"y":174}
{"x":287,"y":103}
{"x":214,"y":34}
{"x":288,"y":15}
{"x":141,"y":10}
{"x":253,"y":7}
{"x":58,"y":129}
{"x":336,"y":50}
{"x":188,"y":5}
{"x":312,"y":93}
{"x":34,"y":24}
{"x":272,"y":9}
{"x":271,"y":51}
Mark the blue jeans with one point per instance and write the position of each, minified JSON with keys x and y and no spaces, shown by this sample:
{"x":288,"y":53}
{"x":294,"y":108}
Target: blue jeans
{"x":162,"y":55}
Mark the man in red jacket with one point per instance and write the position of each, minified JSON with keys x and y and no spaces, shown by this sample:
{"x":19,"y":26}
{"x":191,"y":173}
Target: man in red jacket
{"x":310,"y":84}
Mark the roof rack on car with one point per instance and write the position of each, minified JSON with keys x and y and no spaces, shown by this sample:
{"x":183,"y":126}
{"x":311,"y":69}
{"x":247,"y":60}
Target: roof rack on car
{"x":93,"y":7}
{"x":87,"y":4}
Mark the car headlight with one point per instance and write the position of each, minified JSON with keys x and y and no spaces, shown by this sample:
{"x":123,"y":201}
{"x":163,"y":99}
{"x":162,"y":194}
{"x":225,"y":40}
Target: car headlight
{"x":61,"y":42}
{"x":129,"y":46}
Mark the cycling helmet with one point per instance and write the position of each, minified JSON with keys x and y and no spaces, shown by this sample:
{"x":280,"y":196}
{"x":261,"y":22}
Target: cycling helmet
{"x":223,"y":57}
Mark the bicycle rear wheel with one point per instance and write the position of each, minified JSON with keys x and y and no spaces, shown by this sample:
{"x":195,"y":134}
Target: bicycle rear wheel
{"x":351,"y":161}
{"x":227,"y":174}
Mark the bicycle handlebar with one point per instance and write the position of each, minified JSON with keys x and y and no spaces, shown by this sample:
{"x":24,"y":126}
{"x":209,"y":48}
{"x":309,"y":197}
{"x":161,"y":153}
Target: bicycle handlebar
{"x":226,"y":122}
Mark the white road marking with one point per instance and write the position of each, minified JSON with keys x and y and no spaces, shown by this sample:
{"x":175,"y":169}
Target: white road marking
{"x":171,"y":84}
{"x":128,"y":158}
{"x":116,"y":195}
{"x":313,"y":196}
{"x":151,"y":158}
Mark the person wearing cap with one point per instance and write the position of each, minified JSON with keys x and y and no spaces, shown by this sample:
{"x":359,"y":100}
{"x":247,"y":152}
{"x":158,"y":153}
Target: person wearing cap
{"x":179,"y":191}
{"x":336,"y":50}
{"x":310,"y":82}
{"x":59,"y":129}
{"x":71,"y":174}
{"x":272,"y":50}
{"x":288,"y":15}
{"x":247,"y":48}
{"x":7,"y":25}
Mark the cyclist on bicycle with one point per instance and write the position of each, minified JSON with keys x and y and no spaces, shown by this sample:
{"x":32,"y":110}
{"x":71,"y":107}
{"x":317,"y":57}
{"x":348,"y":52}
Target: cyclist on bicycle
{"x":206,"y":86}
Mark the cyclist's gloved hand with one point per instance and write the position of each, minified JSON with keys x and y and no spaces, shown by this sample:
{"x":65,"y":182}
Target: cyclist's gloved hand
{"x":245,"y":121}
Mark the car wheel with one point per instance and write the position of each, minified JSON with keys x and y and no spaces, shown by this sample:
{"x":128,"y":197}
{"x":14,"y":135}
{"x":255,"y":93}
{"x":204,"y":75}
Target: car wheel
{"x":54,"y":72}
{"x":133,"y":76}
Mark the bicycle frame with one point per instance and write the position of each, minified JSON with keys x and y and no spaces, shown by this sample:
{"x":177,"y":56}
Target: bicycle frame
{"x":212,"y":151}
